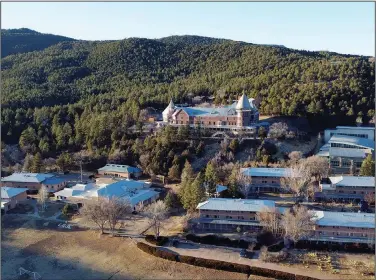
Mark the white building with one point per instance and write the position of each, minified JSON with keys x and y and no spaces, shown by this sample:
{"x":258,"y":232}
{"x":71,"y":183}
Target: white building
{"x":136,"y":192}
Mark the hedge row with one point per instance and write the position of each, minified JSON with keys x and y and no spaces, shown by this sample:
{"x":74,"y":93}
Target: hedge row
{"x":161,"y":240}
{"x":157,"y":252}
{"x":217,"y":240}
{"x":220,"y":265}
{"x":215,"y":264}
{"x":346,"y":247}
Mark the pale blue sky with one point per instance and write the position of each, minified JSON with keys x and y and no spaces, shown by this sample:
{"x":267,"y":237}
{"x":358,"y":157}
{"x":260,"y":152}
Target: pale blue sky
{"x":339,"y":27}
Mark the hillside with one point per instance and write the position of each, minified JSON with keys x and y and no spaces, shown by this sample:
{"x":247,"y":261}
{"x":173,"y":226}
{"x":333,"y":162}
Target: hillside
{"x":24,"y":40}
{"x":106,"y":84}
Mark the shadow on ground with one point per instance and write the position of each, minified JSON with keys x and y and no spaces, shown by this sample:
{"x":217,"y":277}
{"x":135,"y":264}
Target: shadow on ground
{"x":49,"y":267}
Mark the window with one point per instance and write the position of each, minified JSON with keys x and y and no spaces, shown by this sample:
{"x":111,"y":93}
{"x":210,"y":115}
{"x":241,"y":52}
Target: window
{"x":334,"y":163}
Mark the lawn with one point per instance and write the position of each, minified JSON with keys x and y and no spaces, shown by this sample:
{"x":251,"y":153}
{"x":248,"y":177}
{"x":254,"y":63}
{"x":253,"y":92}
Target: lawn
{"x":52,"y":209}
{"x":22,"y":208}
{"x":88,"y":255}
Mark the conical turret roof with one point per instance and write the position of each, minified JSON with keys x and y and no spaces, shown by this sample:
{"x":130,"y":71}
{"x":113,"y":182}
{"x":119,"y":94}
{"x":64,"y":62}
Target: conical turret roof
{"x":171,"y":104}
{"x":170,"y":108}
{"x":243,"y":103}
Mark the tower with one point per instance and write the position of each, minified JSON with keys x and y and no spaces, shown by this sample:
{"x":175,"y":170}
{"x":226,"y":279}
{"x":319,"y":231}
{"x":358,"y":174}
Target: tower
{"x":167,"y":113}
{"x":244,"y":112}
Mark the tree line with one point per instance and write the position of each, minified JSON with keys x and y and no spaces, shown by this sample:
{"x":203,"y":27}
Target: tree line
{"x":136,"y":73}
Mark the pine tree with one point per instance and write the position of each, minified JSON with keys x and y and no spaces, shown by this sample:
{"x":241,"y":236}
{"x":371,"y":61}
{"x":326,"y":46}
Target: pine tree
{"x":368,"y":167}
{"x":233,"y":188}
{"x":197,"y":191}
{"x":169,"y":200}
{"x":234,"y":145}
{"x":211,"y":179}
{"x":187,"y":176}
{"x":262,"y":132}
{"x":27,"y":163}
{"x":174,"y":172}
{"x":37,"y":164}
{"x":27,"y":139}
{"x":64,"y":161}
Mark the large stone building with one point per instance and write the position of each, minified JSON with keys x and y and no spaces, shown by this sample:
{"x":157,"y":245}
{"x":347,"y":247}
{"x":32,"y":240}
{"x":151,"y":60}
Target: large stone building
{"x":346,"y":188}
{"x":34,"y":181}
{"x":226,"y":215}
{"x":239,"y":116}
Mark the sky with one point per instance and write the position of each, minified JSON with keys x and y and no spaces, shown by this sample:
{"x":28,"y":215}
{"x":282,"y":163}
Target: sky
{"x":341,"y":27}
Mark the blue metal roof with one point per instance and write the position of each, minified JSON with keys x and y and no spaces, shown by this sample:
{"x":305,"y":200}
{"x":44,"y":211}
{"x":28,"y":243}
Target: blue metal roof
{"x":53,"y":181}
{"x":351,"y":140}
{"x":358,"y":181}
{"x":343,"y":219}
{"x":229,"y":204}
{"x":266,"y":172}
{"x":7,"y":192}
{"x":120,"y":168}
{"x":27,"y":177}
{"x":121,"y":188}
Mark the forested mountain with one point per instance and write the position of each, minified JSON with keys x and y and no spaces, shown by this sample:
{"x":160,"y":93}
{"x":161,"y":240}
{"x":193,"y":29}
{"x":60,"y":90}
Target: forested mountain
{"x":108,"y":83}
{"x":23,"y":40}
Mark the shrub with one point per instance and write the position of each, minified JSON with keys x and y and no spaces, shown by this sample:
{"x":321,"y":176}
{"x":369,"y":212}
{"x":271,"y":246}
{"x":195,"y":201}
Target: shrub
{"x":159,"y":242}
{"x":266,"y":238}
{"x":276,"y":247}
{"x":67,"y":209}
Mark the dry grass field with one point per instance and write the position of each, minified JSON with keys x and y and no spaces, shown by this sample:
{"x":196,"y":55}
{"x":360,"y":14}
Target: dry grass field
{"x":84,"y":254}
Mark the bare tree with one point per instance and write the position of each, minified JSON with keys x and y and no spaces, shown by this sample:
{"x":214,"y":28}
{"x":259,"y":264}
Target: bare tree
{"x":156,"y":212}
{"x":225,"y":145}
{"x":17,"y":167}
{"x":298,"y":223}
{"x":143,"y":116}
{"x":317,"y":167}
{"x":296,"y":180}
{"x":96,"y":211}
{"x":370,"y":198}
{"x":116,"y":209}
{"x":244,"y":183}
{"x":50,"y":164}
{"x":43,"y":197}
{"x":295,"y":157}
{"x":278,"y":130}
{"x":270,"y":219}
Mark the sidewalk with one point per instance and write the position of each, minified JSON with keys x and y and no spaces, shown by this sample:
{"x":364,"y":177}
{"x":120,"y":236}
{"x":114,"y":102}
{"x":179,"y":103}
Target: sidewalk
{"x":232,"y":255}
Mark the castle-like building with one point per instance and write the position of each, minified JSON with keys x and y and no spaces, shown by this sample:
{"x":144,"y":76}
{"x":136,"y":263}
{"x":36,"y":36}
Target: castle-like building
{"x":241,"y":115}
